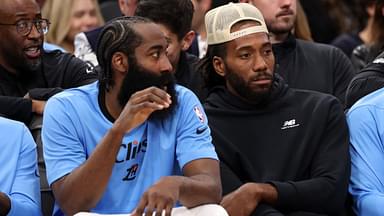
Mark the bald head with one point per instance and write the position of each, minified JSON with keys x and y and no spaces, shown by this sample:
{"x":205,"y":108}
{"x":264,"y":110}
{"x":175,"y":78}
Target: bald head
{"x":11,"y":8}
{"x":20,"y":52}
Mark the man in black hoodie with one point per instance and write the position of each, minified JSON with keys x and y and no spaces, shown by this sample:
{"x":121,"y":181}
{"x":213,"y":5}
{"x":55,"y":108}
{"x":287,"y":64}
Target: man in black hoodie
{"x":282,"y":150}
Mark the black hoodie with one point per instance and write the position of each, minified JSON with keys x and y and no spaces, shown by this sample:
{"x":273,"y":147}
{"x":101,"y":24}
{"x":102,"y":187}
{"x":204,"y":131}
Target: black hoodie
{"x":296,"y":140}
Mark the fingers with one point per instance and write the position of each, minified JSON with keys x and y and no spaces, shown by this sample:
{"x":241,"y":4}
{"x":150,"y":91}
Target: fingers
{"x":140,"y":207}
{"x":154,"y":204}
{"x":153,"y":95}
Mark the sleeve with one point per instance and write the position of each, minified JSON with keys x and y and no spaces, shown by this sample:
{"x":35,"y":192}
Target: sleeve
{"x":343,"y":73}
{"x":63,"y":149}
{"x":194,"y":139}
{"x":358,"y":57}
{"x":325,"y":189}
{"x":231,"y":182}
{"x":367,"y":156}
{"x":79,"y":73}
{"x":366,"y":81}
{"x":43,"y":93}
{"x":25,"y":193}
{"x":16,"y":108}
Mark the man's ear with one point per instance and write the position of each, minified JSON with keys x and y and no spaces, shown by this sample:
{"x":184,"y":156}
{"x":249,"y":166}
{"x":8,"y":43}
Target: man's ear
{"x":120,"y":62}
{"x":187,"y":40}
{"x":218,"y":65}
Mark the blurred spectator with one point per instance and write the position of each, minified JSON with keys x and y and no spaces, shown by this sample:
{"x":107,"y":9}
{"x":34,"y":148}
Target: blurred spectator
{"x":327,"y":18}
{"x":365,"y":53}
{"x":301,"y":29}
{"x":85,"y":42}
{"x":199,"y":46}
{"x":364,"y":10}
{"x":69,"y":17}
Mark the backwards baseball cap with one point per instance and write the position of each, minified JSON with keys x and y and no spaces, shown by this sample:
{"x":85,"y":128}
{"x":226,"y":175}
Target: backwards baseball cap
{"x":219,"y":21}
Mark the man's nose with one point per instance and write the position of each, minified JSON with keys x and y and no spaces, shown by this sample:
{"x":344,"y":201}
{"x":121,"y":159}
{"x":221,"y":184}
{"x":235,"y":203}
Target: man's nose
{"x":166,"y":65}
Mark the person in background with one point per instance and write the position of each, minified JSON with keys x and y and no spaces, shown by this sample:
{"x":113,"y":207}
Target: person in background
{"x":133,"y":142}
{"x":303,"y":64}
{"x":334,"y":14}
{"x":70,"y":17}
{"x":19,"y":185}
{"x":283,"y":151}
{"x":301,"y":29}
{"x":363,"y":11}
{"x":85,"y":42}
{"x":365,"y":53}
{"x":199,"y":45}
{"x":128,"y":7}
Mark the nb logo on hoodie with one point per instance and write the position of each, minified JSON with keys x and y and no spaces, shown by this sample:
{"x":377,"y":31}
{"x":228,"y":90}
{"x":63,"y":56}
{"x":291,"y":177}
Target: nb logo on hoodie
{"x":289,"y":124}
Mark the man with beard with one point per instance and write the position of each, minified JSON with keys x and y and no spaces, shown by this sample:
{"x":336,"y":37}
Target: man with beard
{"x":121,"y":144}
{"x":303,"y":64}
{"x":282,"y":150}
{"x":28,"y":75}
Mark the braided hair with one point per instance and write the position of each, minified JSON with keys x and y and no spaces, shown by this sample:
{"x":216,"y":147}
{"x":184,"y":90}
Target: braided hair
{"x":118,"y":35}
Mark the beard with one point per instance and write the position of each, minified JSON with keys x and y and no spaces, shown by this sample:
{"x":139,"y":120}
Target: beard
{"x":244,"y":90}
{"x":278,"y":26}
{"x":139,"y":78}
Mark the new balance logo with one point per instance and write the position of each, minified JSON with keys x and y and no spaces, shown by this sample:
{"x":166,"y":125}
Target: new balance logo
{"x":290,"y":124}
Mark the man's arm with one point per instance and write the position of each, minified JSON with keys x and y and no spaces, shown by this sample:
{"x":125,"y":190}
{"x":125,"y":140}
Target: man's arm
{"x":5,"y":204}
{"x":245,"y":199}
{"x":25,"y":193}
{"x":16,"y":108}
{"x":81,"y":189}
{"x":199,"y":185}
{"x":366,"y":155}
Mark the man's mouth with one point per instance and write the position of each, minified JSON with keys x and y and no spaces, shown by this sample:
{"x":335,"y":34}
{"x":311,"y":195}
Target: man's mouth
{"x":285,"y":13}
{"x":32,"y":52}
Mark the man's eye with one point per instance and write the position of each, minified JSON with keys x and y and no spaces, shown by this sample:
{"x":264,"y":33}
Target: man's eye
{"x":268,"y":52}
{"x":245,"y":55}
{"x":22,"y":24}
{"x":156,"y":54}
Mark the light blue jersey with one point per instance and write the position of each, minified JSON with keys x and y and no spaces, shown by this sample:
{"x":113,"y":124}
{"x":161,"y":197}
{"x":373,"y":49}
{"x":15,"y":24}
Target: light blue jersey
{"x":19,"y":177}
{"x":366,"y":125}
{"x":74,"y":124}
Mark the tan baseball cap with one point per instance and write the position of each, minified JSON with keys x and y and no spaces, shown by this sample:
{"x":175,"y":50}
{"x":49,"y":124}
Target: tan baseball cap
{"x":219,"y":21}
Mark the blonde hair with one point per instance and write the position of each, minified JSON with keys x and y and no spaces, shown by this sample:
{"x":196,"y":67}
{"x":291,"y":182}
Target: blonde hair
{"x":59,"y":13}
{"x":302,"y":29}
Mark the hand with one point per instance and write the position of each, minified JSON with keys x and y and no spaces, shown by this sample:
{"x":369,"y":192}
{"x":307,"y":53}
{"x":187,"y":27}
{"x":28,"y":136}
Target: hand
{"x":38,"y":106}
{"x":5,"y":204}
{"x":162,"y":196}
{"x":140,"y":106}
{"x":241,"y":202}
